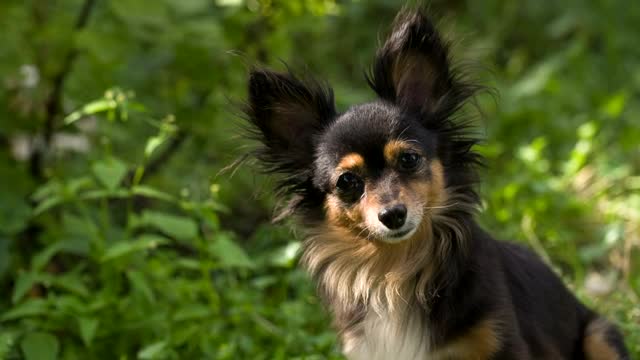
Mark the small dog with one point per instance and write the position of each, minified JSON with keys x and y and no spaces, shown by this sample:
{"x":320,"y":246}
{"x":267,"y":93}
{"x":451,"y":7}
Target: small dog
{"x":386,"y":190}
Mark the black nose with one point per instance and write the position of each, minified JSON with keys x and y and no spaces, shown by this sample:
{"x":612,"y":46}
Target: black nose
{"x":393,"y":217}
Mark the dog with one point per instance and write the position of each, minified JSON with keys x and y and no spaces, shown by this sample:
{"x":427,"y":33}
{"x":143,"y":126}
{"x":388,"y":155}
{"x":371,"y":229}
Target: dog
{"x":387,"y":193}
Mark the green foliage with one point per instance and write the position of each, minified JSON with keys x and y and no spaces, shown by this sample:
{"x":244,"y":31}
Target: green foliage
{"x":119,"y":240}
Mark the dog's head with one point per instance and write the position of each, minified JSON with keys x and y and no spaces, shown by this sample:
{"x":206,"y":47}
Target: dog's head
{"x":381,"y":170}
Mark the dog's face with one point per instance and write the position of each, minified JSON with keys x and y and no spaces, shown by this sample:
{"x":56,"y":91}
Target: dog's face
{"x":380,"y":173}
{"x":380,"y":170}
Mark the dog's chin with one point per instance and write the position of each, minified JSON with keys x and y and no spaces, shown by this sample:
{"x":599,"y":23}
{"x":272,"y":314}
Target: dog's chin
{"x":398,"y":236}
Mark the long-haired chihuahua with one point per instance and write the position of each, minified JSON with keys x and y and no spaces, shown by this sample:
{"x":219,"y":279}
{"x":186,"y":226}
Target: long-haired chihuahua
{"x":387,"y":193}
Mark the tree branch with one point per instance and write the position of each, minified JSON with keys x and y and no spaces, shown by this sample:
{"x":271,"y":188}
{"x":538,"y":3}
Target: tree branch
{"x":53,"y":103}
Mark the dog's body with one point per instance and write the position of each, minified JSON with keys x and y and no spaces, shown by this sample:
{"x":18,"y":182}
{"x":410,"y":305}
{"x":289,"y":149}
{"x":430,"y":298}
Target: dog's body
{"x":387,"y":191}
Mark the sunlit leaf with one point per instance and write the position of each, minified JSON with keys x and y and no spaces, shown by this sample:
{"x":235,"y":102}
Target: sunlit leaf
{"x":286,"y":255}
{"x":152,"y":351}
{"x":153,"y":143}
{"x":93,"y":107}
{"x":615,"y":105}
{"x":229,"y":2}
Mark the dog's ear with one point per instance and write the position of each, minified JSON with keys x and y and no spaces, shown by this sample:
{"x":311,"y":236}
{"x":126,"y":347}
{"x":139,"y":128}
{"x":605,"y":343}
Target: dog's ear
{"x":413,"y":69}
{"x":287,"y":114}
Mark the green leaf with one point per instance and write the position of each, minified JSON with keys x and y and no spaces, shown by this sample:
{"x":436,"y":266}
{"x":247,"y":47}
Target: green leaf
{"x":150,"y":192}
{"x":31,"y":307}
{"x":191,"y":312}
{"x":138,"y":12}
{"x":178,"y":227}
{"x":74,"y":185}
{"x":140,"y":283}
{"x":7,"y":341}
{"x":228,"y":253}
{"x":40,"y":346}
{"x":72,"y":283}
{"x":537,"y":78}
{"x":78,"y":246}
{"x":24,"y":283}
{"x":100,"y":46}
{"x":93,"y":107}
{"x":5,"y":259}
{"x":153,"y":143}
{"x":15,"y":212}
{"x":109,"y":172}
{"x":615,"y":104}
{"x":70,"y":305}
{"x":188,"y":7}
{"x":230,"y":3}
{"x":286,"y":255}
{"x":88,"y":327}
{"x":152,"y":351}
{"x":47,"y":204}
{"x":41,"y":259}
{"x":49,"y":189}
{"x":105,"y":194}
{"x":126,"y":247}
{"x":98,"y":106}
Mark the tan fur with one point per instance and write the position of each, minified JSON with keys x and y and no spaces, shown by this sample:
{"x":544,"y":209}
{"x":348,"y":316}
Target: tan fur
{"x":596,"y":346}
{"x":355,"y":270}
{"x":336,"y":214}
{"x":351,"y":161}
{"x":394,"y":147}
{"x":478,"y":343}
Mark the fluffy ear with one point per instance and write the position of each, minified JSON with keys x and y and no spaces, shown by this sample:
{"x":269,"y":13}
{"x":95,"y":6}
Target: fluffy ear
{"x":413,"y":70}
{"x":287,"y":114}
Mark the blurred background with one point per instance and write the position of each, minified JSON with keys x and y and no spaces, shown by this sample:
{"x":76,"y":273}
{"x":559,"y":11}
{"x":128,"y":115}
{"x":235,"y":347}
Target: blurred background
{"x":119,"y":239}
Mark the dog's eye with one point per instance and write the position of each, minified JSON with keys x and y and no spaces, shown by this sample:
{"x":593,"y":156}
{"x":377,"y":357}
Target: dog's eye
{"x":409,"y":160}
{"x":350,"y":186}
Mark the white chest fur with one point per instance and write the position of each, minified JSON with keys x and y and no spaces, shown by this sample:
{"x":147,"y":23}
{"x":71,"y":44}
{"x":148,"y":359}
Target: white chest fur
{"x":388,"y":336}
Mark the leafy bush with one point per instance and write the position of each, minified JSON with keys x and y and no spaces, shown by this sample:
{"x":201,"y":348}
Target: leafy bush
{"x":119,"y":238}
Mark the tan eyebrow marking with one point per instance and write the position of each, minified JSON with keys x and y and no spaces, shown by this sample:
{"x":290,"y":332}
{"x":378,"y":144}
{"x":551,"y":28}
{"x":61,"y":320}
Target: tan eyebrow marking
{"x":351,"y":161}
{"x":394,"y":147}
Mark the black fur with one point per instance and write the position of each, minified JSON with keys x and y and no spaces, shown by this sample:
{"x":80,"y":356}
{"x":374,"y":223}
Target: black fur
{"x":287,"y":115}
{"x":420,"y":97}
